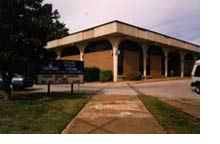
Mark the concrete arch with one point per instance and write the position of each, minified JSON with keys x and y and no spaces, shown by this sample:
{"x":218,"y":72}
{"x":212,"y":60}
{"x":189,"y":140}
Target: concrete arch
{"x":174,"y":63}
{"x":188,"y":63}
{"x":130,"y":58}
{"x":99,"y":54}
{"x":97,"y":46}
{"x":70,"y":53}
{"x":155,"y":61}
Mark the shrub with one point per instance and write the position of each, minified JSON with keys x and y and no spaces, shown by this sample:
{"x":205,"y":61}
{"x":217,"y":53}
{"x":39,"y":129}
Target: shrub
{"x":172,"y":73}
{"x":105,"y":75}
{"x":91,"y":74}
{"x":136,"y":75}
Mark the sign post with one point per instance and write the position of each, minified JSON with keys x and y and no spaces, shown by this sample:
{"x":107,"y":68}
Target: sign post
{"x":61,"y":72}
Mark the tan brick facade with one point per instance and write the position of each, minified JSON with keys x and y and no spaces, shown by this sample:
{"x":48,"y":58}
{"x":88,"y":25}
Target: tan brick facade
{"x":188,"y":65}
{"x":100,"y":59}
{"x":155,"y":66}
{"x":130,"y":63}
{"x":73,"y":57}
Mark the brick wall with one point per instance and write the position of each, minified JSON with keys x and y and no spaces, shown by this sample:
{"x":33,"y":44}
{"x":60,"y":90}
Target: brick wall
{"x":73,"y":57}
{"x":155,"y":66}
{"x":100,"y":59}
{"x":188,"y":65}
{"x":130,"y":63}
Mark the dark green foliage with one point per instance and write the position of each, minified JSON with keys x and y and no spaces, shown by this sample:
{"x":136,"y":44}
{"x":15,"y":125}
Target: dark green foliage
{"x":136,"y":75}
{"x":105,"y":76}
{"x":25,"y":28}
{"x":91,"y":74}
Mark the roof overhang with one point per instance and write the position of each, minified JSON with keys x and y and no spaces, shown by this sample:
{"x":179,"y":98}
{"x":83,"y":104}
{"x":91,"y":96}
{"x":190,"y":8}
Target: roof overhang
{"x":121,"y":29}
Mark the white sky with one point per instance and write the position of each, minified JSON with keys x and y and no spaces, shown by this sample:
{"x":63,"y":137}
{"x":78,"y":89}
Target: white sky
{"x":177,"y":18}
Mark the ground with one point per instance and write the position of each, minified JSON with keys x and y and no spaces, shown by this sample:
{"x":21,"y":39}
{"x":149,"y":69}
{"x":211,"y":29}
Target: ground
{"x":116,"y":108}
{"x":175,"y":92}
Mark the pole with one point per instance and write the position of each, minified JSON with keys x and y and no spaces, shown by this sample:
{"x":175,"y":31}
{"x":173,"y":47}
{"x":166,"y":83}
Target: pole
{"x":48,"y":89}
{"x":71,"y":88}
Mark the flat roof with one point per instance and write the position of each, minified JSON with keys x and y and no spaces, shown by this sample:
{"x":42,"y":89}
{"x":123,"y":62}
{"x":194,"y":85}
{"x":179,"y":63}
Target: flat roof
{"x":118,"y":27}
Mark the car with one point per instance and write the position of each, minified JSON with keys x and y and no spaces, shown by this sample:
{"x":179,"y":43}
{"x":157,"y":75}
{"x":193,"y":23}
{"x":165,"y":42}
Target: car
{"x":18,"y":82}
{"x":196,"y":76}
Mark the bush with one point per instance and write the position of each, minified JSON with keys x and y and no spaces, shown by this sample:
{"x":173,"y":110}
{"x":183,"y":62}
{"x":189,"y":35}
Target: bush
{"x":172,"y":73}
{"x":91,"y":74}
{"x":136,"y":75}
{"x":105,"y":76}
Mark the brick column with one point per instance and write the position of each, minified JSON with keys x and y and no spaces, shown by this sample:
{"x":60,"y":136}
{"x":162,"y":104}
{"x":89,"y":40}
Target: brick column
{"x":115,"y":44}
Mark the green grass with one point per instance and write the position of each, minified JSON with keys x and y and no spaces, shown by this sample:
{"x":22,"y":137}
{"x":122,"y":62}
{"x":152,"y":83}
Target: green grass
{"x":172,"y":119}
{"x":38,"y":113}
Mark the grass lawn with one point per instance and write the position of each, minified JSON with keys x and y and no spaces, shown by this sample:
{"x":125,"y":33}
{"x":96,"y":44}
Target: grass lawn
{"x":38,"y":113}
{"x":172,"y":119}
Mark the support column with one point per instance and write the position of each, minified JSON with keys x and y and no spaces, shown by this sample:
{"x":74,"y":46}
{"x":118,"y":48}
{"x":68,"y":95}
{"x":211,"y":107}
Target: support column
{"x":182,"y":63}
{"x":144,"y":48}
{"x":115,"y":44}
{"x":58,"y":52}
{"x":81,"y":48}
{"x":166,"y":52}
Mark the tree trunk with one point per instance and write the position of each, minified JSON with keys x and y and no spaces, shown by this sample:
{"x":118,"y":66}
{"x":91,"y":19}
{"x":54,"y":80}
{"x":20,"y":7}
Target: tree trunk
{"x":7,"y":77}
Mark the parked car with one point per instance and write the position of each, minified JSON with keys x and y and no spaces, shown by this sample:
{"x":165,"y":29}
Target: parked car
{"x":18,"y":82}
{"x":196,"y":76}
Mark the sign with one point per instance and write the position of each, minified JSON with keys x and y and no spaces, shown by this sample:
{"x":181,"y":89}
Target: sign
{"x":61,"y":72}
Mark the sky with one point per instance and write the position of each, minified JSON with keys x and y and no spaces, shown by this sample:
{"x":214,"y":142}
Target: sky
{"x":176,"y":18}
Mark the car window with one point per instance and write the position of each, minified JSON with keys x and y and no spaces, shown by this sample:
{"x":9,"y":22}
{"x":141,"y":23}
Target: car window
{"x":197,"y":72}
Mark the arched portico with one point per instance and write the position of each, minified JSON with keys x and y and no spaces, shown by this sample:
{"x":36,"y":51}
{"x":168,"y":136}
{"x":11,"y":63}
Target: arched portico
{"x":70,"y":53}
{"x":174,"y":63}
{"x":155,"y":61}
{"x":130,"y":58}
{"x":99,"y":54}
{"x":188,"y":64}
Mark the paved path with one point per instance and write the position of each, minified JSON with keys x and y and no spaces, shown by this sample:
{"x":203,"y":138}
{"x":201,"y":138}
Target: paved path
{"x":113,"y":114}
{"x":175,"y":92}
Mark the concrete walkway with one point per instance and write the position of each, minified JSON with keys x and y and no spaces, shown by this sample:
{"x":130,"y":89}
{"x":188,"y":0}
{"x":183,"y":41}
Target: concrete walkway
{"x":114,"y":114}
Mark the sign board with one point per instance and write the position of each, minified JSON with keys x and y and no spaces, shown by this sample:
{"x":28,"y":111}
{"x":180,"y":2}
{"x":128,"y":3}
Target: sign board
{"x":61,"y":72}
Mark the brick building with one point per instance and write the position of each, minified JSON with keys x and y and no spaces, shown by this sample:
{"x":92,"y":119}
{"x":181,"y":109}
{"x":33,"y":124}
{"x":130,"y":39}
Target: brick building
{"x":124,"y":48}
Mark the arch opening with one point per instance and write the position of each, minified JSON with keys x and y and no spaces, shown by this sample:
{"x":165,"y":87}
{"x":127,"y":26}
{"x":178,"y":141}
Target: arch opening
{"x":130,"y":58}
{"x":155,"y":61}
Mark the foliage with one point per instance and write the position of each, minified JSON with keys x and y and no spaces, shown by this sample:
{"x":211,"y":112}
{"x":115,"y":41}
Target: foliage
{"x":25,"y":28}
{"x":136,"y":75}
{"x":105,"y":76}
{"x":91,"y":74}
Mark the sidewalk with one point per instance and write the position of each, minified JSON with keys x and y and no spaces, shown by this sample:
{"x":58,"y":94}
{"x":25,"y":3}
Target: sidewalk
{"x":113,"y":114}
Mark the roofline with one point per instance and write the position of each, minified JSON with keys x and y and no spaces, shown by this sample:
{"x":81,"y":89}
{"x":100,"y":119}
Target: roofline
{"x":135,"y":27}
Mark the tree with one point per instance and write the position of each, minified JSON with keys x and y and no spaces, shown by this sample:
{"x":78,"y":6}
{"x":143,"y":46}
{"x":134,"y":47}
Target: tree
{"x":25,"y":28}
